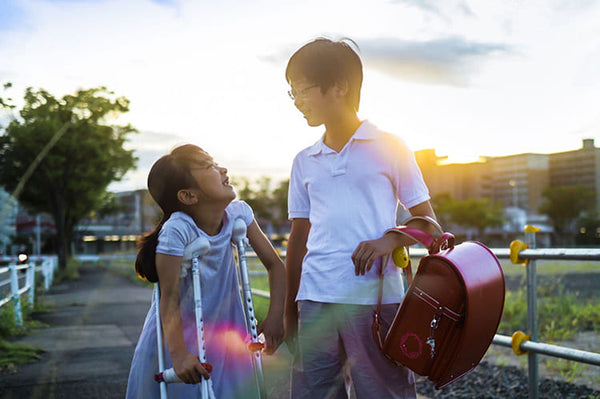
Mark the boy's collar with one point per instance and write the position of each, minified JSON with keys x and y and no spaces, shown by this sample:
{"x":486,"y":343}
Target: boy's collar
{"x":366,"y":131}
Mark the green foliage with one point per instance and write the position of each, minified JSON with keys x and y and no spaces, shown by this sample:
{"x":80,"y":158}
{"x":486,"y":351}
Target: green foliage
{"x":12,"y":355}
{"x":69,"y":273}
{"x":477,"y":213}
{"x":514,"y":316}
{"x":8,"y":325}
{"x":60,"y":155}
{"x":568,"y":370}
{"x":269,"y":205}
{"x":560,"y":316}
{"x":563,"y":204}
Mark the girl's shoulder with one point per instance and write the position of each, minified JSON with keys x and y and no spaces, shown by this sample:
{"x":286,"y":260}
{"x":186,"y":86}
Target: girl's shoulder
{"x":237,"y":209}
{"x":179,"y":220}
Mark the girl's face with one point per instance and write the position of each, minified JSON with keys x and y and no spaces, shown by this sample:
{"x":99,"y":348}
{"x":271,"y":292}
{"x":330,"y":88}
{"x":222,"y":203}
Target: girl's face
{"x":212,"y":182}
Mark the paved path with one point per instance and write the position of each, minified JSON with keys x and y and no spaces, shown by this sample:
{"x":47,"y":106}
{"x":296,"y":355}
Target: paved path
{"x":90,"y":342}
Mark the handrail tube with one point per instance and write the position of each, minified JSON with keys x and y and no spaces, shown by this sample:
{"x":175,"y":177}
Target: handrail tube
{"x":551,"y":350}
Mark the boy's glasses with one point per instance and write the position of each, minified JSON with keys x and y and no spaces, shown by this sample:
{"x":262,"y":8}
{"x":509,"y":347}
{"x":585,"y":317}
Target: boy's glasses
{"x":299,"y":93}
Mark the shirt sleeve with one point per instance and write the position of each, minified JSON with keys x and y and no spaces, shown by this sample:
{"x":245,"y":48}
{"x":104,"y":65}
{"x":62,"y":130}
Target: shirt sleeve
{"x":173,"y":238}
{"x":408,"y":180}
{"x":298,"y":201}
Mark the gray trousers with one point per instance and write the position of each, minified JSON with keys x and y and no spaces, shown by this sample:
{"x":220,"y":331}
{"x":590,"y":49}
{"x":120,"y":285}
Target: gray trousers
{"x":336,"y":351}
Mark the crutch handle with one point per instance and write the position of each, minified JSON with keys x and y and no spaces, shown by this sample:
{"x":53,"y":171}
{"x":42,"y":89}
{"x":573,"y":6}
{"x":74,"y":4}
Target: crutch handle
{"x":169,"y":375}
{"x":256,"y":346}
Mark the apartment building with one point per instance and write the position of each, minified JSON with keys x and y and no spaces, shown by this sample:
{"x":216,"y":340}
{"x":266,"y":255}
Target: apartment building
{"x":518,"y":181}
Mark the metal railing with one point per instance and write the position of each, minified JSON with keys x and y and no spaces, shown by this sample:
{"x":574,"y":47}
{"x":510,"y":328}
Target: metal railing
{"x":21,"y":279}
{"x":526,"y":343}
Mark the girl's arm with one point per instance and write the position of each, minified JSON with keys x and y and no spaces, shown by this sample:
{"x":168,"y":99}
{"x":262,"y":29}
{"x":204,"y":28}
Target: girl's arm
{"x":272,"y":325}
{"x":187,"y":365}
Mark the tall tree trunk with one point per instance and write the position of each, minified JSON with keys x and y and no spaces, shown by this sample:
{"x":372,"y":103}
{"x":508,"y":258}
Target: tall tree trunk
{"x":59,"y":221}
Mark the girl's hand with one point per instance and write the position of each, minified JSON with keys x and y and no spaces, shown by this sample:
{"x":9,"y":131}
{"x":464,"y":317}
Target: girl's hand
{"x":189,"y":369}
{"x":367,"y":252}
{"x":272,"y":328}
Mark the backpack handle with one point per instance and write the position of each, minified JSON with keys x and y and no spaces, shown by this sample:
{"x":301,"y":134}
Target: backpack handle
{"x":433,"y":245}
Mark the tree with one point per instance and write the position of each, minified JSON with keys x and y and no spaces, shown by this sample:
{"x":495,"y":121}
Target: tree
{"x":269,"y":205}
{"x":60,"y":155}
{"x":477,"y":213}
{"x":564,"y":204}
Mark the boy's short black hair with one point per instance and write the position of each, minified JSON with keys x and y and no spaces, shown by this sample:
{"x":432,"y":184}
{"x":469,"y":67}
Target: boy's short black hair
{"x":325,"y":62}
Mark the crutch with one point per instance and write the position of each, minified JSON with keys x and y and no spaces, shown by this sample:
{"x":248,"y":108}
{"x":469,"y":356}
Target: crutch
{"x":193,"y":251}
{"x":255,"y":346}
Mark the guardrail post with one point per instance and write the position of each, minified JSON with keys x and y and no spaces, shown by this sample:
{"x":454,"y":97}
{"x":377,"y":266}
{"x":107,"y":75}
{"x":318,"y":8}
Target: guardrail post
{"x":31,"y":282}
{"x":14,"y":287}
{"x":532,"y":314}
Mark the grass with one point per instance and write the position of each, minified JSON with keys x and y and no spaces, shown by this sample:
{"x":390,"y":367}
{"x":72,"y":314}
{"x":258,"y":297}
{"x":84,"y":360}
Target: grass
{"x":14,"y":354}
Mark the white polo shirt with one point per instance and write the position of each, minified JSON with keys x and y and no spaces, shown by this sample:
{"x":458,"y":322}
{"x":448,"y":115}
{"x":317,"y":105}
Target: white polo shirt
{"x":349,"y":197}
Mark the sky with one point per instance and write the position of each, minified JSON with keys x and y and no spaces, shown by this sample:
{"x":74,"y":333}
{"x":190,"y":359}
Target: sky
{"x":468,"y":78}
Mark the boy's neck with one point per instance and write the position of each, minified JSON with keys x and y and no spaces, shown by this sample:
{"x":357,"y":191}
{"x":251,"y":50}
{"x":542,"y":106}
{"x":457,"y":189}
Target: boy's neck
{"x":339,"y":131}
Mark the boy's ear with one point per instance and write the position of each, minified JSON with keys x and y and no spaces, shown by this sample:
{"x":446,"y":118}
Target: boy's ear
{"x":341,"y":88}
{"x":187,"y":197}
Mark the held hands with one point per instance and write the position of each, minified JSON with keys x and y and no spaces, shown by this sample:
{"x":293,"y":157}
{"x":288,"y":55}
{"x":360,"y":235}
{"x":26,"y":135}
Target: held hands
{"x":189,"y":369}
{"x":367,"y":252}
{"x":272,"y":328}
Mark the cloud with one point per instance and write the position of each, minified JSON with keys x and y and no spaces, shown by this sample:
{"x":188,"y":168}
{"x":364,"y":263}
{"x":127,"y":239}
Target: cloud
{"x":437,"y":7}
{"x":447,"y":61}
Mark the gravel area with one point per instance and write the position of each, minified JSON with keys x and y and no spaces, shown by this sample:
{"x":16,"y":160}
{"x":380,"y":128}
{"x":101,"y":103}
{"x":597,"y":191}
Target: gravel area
{"x":489,"y":381}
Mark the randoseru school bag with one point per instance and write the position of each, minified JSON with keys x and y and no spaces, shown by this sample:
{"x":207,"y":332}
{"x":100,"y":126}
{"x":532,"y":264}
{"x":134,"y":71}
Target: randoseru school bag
{"x":450,"y":312}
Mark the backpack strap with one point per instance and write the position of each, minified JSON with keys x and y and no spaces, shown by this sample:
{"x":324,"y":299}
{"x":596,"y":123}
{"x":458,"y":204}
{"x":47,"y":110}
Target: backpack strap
{"x":433,"y":245}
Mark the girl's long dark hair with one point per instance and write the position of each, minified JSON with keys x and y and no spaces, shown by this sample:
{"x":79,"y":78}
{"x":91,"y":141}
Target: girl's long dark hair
{"x":167,"y":176}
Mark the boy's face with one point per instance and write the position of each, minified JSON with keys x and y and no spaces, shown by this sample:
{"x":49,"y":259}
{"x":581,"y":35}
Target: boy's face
{"x":317,"y":107}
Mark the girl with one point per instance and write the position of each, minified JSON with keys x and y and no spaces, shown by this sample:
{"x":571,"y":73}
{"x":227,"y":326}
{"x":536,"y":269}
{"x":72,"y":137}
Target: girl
{"x":196,"y":199}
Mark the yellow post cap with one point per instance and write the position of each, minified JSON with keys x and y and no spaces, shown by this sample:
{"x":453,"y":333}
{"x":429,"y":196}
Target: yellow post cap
{"x":517,"y":339}
{"x":515,"y":248}
{"x":400,"y":257}
{"x":531,"y":229}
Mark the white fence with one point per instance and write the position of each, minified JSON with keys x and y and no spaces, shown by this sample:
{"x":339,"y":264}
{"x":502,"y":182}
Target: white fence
{"x":21,"y":279}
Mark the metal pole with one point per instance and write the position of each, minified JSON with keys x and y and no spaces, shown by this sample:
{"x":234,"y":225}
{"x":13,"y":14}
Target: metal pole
{"x":31,"y":282}
{"x":575,"y":355}
{"x":532,"y":326}
{"x":14,"y":287}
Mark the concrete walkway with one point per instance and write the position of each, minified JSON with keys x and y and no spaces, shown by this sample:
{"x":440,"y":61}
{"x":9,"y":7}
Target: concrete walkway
{"x":90,"y":339}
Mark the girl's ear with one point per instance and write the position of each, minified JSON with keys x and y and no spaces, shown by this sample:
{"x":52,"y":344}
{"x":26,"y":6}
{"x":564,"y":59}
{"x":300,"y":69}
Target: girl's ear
{"x":187,"y":197}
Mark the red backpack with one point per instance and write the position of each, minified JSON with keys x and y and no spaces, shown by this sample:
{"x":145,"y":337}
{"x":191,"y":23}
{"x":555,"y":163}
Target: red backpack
{"x":450,"y":312}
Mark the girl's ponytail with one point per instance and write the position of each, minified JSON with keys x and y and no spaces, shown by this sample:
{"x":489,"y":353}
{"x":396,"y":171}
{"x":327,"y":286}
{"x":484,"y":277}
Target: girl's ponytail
{"x":145,"y":262}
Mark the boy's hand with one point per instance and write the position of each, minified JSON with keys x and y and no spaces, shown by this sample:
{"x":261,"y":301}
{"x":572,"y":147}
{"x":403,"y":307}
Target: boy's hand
{"x":290,"y":323}
{"x":367,"y":252}
{"x":272,"y":328}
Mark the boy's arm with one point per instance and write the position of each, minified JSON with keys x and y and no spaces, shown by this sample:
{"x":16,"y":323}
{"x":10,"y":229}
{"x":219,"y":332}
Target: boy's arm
{"x":272,"y":325}
{"x":187,"y":365}
{"x":367,"y":252}
{"x":296,"y":249}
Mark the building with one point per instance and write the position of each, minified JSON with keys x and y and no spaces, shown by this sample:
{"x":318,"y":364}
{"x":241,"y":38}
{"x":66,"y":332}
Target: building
{"x":577,"y":168}
{"x":136,"y":214}
{"x":517,"y":181}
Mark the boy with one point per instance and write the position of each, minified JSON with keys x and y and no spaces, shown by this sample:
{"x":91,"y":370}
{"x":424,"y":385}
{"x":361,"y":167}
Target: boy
{"x":343,"y":196}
